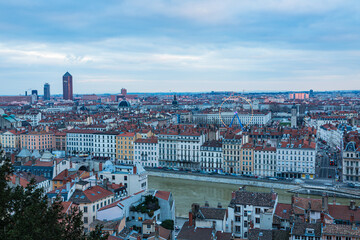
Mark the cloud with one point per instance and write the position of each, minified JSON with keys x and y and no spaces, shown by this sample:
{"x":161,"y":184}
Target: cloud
{"x":157,"y":64}
{"x":225,"y":11}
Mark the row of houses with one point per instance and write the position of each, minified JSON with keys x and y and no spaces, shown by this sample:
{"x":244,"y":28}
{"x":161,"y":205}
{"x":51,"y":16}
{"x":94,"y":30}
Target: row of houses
{"x":255,"y":215}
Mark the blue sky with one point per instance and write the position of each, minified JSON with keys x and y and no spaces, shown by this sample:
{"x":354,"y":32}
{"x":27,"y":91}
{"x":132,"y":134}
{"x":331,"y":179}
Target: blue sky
{"x":180,"y":45}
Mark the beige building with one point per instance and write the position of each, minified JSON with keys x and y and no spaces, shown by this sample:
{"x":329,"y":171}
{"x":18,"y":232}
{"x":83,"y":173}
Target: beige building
{"x":90,"y":199}
{"x":125,"y":145}
{"x":231,"y":153}
{"x":247,"y":159}
{"x":10,"y":139}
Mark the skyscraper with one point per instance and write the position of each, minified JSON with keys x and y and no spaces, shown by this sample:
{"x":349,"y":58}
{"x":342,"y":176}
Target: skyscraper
{"x":46,"y":91}
{"x":67,"y":86}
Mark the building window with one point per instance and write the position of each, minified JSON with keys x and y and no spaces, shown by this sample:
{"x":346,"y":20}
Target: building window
{"x":257,"y":220}
{"x":237,"y":218}
{"x":85,"y":220}
{"x":237,"y":229}
{"x":85,"y":209}
{"x":257,"y":210}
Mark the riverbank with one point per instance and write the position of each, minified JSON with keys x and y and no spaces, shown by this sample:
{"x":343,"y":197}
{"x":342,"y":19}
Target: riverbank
{"x":225,"y":179}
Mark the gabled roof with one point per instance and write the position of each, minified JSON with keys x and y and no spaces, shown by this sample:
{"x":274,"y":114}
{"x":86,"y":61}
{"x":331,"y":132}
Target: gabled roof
{"x":163,"y":195}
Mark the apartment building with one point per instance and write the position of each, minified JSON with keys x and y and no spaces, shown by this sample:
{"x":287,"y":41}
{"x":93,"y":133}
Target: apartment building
{"x":60,"y":141}
{"x":105,"y":144}
{"x":251,"y":210}
{"x":246,"y":118}
{"x":80,"y":141}
{"x":90,"y":199}
{"x":10,"y":140}
{"x":247,"y":159}
{"x":180,"y":148}
{"x":265,"y":161}
{"x":133,"y":177}
{"x":296,"y":159}
{"x":146,"y":152}
{"x":351,"y":163}
{"x":231,"y":153}
{"x":211,"y":156}
{"x":41,"y":140}
{"x":125,"y":145}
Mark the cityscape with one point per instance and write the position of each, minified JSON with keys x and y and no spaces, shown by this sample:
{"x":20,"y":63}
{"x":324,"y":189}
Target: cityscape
{"x":180,"y":126}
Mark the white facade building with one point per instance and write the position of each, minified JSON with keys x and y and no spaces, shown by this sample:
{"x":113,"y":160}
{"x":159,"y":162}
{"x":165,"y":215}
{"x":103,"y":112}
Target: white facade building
{"x":133,"y":177}
{"x":351,"y":163}
{"x":180,"y":149}
{"x":146,"y":152}
{"x":265,"y":161}
{"x":105,"y":144}
{"x":211,"y":156}
{"x":296,"y":159}
{"x":80,"y":141}
{"x":257,"y":118}
{"x":332,"y":135}
{"x":251,"y":210}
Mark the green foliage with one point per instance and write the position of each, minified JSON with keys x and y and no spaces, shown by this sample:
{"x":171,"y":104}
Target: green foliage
{"x":149,"y":206}
{"x":25,"y":213}
{"x":168,"y":224}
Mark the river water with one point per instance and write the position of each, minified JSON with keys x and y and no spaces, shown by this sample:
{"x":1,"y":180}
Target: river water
{"x":187,"y":192}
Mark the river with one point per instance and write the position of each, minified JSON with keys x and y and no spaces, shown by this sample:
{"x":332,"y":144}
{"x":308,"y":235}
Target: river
{"x":186,"y":192}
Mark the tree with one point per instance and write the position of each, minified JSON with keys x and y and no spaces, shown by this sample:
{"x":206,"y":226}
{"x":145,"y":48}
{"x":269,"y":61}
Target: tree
{"x":25,"y":213}
{"x":168,"y":224}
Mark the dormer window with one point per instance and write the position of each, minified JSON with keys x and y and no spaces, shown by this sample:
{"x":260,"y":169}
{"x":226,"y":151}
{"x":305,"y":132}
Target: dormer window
{"x":310,"y":231}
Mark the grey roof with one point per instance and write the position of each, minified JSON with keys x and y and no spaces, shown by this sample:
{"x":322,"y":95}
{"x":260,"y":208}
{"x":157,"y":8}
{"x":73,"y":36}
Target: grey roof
{"x":36,"y":154}
{"x":24,"y":153}
{"x":299,"y":229}
{"x":79,"y":197}
{"x":341,"y":230}
{"x":191,"y":233}
{"x":243,"y":197}
{"x":260,"y":234}
{"x":212,"y":213}
{"x":67,"y":74}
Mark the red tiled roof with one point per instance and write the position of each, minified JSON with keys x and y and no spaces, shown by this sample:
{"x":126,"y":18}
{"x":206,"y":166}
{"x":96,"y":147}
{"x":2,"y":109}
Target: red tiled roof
{"x":163,"y":195}
{"x":343,"y":212}
{"x":96,"y":192}
{"x":283,"y":210}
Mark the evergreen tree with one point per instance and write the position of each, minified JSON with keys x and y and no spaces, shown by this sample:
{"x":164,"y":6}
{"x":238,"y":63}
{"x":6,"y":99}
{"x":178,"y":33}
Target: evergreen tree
{"x":25,"y":213}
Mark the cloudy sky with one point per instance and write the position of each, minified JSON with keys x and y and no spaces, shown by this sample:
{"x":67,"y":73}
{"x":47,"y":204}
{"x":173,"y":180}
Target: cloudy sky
{"x":179,"y":45}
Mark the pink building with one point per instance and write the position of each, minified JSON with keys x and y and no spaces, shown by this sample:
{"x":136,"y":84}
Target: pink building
{"x":300,"y":96}
{"x":38,"y":140}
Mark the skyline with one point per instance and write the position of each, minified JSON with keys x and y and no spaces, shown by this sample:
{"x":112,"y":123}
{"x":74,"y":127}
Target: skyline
{"x":181,"y":46}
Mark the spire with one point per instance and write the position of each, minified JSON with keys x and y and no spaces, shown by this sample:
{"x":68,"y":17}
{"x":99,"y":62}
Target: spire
{"x":67,"y":74}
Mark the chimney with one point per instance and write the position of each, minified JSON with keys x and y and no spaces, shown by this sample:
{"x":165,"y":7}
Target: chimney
{"x":134,"y":169}
{"x":157,"y":232}
{"x":219,"y":205}
{"x":325,"y":202}
{"x":323,"y":219}
{"x":12,"y":158}
{"x":68,"y":186}
{"x":17,"y":180}
{"x":352,"y":205}
{"x":190,"y":219}
{"x":233,"y":195}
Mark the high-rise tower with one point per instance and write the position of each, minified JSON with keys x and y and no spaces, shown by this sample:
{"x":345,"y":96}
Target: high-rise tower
{"x":46,"y":91}
{"x":293,"y":117}
{"x":67,"y":86}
